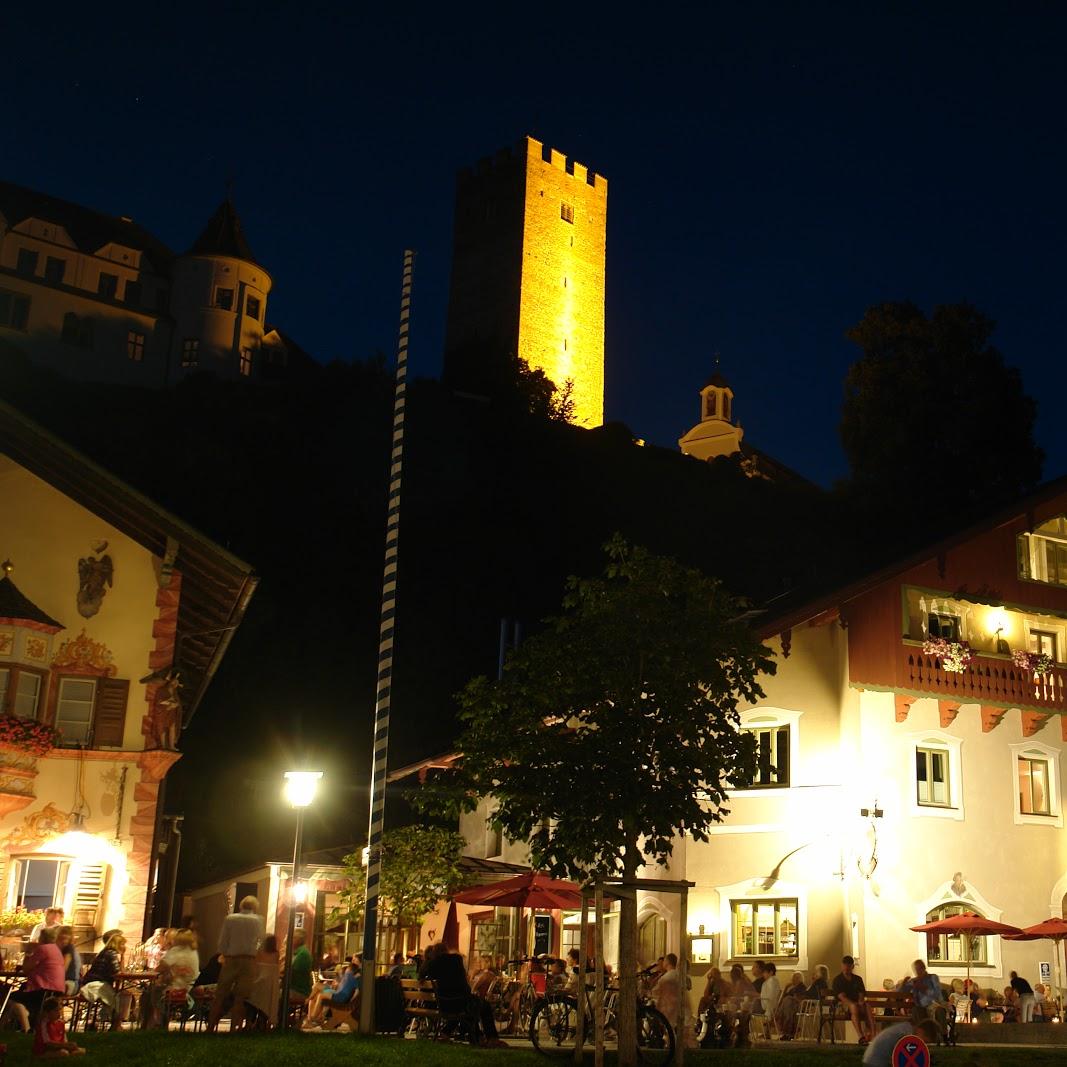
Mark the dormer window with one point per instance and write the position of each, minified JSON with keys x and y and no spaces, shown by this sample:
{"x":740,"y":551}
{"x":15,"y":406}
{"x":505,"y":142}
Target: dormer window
{"x":1043,"y":553}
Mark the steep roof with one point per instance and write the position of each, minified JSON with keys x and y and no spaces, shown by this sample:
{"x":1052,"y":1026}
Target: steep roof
{"x":223,"y":236}
{"x":216,"y":585}
{"x":14,"y":605}
{"x":717,"y":380}
{"x":89,"y":230}
{"x":808,"y":602}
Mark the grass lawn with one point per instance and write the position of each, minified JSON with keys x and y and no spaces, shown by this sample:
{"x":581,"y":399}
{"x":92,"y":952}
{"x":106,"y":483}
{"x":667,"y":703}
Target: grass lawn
{"x":335,"y":1050}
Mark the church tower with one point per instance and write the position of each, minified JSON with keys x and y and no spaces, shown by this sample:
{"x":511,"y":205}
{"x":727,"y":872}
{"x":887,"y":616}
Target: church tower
{"x":716,"y":434}
{"x":528,"y":254}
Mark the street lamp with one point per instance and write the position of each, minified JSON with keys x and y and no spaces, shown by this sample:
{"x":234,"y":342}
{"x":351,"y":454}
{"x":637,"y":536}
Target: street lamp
{"x":300,"y":787}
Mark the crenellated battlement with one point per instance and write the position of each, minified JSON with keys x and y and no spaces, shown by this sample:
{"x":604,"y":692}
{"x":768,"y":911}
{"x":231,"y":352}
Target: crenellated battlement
{"x":530,"y":146}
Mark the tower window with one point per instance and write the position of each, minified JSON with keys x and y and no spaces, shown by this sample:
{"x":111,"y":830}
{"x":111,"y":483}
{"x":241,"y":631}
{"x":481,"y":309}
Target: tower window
{"x":135,"y":346}
{"x":14,"y":310}
{"x":224,"y":299}
{"x":252,"y":307}
{"x":566,"y":212}
{"x":726,"y":406}
{"x":190,"y":352}
{"x":246,"y":362}
{"x":54,"y":269}
{"x":711,"y":405}
{"x":108,"y":285}
{"x":27,"y":262}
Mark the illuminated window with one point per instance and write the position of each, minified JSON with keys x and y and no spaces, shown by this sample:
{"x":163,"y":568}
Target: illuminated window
{"x":20,"y":692}
{"x":932,"y":786}
{"x":74,"y":709}
{"x":190,"y":352}
{"x":108,"y":286}
{"x":246,"y":362}
{"x":1034,"y":792}
{"x":566,"y":212}
{"x":953,"y":948}
{"x":762,"y":928}
{"x":224,"y":299}
{"x":772,"y":755}
{"x":14,"y":310}
{"x":252,"y":307}
{"x":135,"y":346}
{"x":54,"y":270}
{"x":26,"y":264}
{"x":40,"y":883}
{"x":1042,"y":555}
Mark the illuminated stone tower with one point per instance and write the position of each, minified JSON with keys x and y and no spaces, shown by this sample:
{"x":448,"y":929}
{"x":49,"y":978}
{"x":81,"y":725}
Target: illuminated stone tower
{"x":528,"y":273}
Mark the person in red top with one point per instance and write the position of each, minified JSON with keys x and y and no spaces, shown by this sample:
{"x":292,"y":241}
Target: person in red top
{"x":49,"y":1037}
{"x":45,"y":973}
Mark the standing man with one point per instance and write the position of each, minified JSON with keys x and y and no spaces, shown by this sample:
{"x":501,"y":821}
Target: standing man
{"x":239,"y":942}
{"x":1027,"y":1000}
{"x":849,"y":989}
{"x":53,"y":918}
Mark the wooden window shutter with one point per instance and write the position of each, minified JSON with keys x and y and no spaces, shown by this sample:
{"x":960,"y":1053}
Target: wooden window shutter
{"x":88,"y":903}
{"x":109,"y":716}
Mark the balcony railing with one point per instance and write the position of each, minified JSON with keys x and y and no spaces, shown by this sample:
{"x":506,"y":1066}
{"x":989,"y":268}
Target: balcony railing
{"x":988,"y":680}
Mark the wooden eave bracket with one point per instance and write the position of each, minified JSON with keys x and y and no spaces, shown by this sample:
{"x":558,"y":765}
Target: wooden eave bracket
{"x":1034,"y":721}
{"x":903,"y":705}
{"x":948,"y":710}
{"x":991,"y":717}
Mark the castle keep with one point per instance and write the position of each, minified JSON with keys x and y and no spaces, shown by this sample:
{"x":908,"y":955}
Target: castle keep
{"x":528,"y":273}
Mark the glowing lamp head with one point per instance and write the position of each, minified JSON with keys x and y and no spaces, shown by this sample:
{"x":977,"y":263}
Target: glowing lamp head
{"x":300,"y":893}
{"x":300,"y":787}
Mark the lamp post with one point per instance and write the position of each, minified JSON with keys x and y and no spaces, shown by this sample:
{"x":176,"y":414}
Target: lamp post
{"x":300,"y":787}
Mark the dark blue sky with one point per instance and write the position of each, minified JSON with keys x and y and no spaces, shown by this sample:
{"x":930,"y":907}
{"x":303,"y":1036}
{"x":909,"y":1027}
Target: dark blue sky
{"x":773,"y":168}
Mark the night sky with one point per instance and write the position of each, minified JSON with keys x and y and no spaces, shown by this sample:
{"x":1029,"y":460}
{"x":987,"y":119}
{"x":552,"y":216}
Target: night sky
{"x":773,"y":168}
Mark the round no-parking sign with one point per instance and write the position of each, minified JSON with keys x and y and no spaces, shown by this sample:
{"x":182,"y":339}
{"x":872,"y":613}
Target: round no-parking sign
{"x":911,"y":1052}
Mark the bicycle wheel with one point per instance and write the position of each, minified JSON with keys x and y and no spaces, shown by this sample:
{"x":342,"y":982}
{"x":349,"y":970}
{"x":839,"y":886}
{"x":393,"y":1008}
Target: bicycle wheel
{"x":554,"y":1027}
{"x":527,"y":1006}
{"x":655,"y":1036}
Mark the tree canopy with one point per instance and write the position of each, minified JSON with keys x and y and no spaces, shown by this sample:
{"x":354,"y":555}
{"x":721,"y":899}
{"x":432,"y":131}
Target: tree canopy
{"x":931,"y":405}
{"x":615,"y":730}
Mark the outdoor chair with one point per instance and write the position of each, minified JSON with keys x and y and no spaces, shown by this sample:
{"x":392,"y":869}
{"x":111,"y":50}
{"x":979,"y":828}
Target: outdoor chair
{"x":807,"y":1019}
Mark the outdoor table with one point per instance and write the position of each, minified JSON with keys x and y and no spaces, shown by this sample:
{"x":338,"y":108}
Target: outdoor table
{"x":135,"y":983}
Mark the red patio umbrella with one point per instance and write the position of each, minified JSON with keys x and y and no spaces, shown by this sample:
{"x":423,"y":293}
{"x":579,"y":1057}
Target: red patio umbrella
{"x":1054,"y":930}
{"x":450,"y":937}
{"x":529,"y":890}
{"x":967,"y":925}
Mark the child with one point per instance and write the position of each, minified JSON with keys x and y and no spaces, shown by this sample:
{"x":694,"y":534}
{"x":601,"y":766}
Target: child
{"x":49,"y":1037}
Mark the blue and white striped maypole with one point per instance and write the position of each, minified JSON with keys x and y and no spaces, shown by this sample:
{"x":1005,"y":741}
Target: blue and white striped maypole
{"x":380,"y":758}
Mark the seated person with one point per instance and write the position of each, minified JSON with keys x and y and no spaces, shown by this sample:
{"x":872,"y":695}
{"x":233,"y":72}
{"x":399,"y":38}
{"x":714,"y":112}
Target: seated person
{"x":786,"y":1013}
{"x":44,"y":970}
{"x":925,"y":989}
{"x":445,"y":969}
{"x":98,"y":983}
{"x":738,"y":1006}
{"x":71,"y":958}
{"x":347,"y":990}
{"x":397,"y":968}
{"x":820,"y":983}
{"x":178,"y":969}
{"x":50,"y":1037}
{"x":850,"y":991}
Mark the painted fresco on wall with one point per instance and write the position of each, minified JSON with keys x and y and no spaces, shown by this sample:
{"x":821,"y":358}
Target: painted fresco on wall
{"x":36,"y":649}
{"x":95,"y":576}
{"x":83,"y":655}
{"x":7,"y":642}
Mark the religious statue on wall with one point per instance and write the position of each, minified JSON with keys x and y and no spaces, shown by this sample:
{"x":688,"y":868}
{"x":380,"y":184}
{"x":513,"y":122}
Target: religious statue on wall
{"x":95,"y":577}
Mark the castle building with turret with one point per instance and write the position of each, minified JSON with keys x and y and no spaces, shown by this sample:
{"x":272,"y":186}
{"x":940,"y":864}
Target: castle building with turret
{"x":528,"y":259}
{"x":101,"y":298}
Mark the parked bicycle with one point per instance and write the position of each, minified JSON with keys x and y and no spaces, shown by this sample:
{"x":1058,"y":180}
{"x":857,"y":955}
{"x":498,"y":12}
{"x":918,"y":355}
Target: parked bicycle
{"x":554,"y":1025}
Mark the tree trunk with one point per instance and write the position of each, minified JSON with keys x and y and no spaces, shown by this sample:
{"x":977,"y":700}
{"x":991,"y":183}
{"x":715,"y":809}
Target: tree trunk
{"x":627,"y":1011}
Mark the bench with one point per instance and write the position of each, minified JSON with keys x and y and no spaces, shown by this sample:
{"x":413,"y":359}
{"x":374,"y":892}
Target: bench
{"x":887,"y":1007}
{"x":420,"y":1003}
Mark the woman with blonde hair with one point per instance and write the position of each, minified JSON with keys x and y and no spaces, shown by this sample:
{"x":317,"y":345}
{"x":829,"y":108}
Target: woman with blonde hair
{"x":99,"y":981}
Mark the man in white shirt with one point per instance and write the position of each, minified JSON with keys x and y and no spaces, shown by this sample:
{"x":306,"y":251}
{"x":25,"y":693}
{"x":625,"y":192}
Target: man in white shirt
{"x":53,"y":917}
{"x":239,"y":942}
{"x":667,"y":991}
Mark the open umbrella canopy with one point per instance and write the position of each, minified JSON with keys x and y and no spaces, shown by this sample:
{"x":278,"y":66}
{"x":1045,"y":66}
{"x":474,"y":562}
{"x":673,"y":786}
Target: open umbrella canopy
{"x":1053,"y":929}
{"x":450,"y":937}
{"x":529,"y":890}
{"x":967,"y":923}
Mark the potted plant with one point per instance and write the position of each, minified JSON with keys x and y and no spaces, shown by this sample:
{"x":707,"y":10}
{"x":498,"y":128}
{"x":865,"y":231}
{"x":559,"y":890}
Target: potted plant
{"x":955,"y":656}
{"x":21,"y":742}
{"x":1037,"y":663}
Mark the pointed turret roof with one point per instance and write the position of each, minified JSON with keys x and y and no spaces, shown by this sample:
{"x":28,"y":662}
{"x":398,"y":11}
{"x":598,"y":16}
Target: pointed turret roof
{"x":717,"y":380}
{"x":223,"y":236}
{"x":18,"y":608}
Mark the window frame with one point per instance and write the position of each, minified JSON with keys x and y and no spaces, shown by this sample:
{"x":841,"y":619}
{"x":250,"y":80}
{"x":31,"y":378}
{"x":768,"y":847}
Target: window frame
{"x":251,"y":298}
{"x":135,"y":342}
{"x":50,"y":271}
{"x":27,"y":261}
{"x":224,"y":303}
{"x":12,"y":321}
{"x":10,"y":691}
{"x":244,"y":363}
{"x":85,"y":679}
{"x":1035,"y":751}
{"x":1032,"y":557}
{"x":772,"y":717}
{"x":952,"y":748}
{"x":566,"y":212}
{"x":107,"y":285}
{"x":756,"y":903}
{"x":190,"y":352}
{"x":946,"y":910}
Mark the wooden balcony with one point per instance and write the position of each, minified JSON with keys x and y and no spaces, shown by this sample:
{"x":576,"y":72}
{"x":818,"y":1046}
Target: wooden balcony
{"x":992,"y":680}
